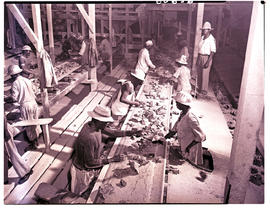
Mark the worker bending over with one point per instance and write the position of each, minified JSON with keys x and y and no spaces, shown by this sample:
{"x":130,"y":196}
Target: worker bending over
{"x":86,"y":160}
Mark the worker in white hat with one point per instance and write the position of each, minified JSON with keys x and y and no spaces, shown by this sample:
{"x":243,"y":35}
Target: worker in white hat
{"x":189,"y":133}
{"x":143,"y":63}
{"x":26,"y":62}
{"x":86,"y":160}
{"x":182,"y":75}
{"x":22,"y":92}
{"x":207,"y":49}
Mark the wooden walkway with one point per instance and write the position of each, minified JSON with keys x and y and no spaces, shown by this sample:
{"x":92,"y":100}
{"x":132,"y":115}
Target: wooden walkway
{"x":52,"y":167}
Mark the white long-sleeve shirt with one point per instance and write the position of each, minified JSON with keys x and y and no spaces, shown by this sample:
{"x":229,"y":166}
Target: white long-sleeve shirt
{"x":144,"y":61}
{"x":208,"y":45}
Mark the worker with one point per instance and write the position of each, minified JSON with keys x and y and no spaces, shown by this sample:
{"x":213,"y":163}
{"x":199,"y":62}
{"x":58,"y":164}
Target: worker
{"x":144,"y":61}
{"x":26,"y":62}
{"x":207,"y":48}
{"x":125,"y":98}
{"x":22,"y":91}
{"x":105,"y":51}
{"x":182,"y":75}
{"x":11,"y":153}
{"x":86,"y":160}
{"x":189,"y":133}
{"x":183,"y":47}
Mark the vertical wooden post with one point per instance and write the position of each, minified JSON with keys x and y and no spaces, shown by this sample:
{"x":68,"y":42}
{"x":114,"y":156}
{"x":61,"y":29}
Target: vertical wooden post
{"x":189,"y":24}
{"x":43,"y":22}
{"x":250,"y":109}
{"x":200,"y":11}
{"x":126,"y":29}
{"x":83,"y":26}
{"x":12,"y":28}
{"x":102,"y":20}
{"x":50,"y":31}
{"x":68,"y":20}
{"x":219,"y":23}
{"x":92,"y":73}
{"x":110,"y":32}
{"x":38,"y":32}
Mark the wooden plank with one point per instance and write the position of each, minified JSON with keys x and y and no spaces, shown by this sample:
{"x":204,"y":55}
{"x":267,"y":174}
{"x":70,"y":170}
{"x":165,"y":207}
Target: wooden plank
{"x":200,"y":12}
{"x":110,"y":33}
{"x":12,"y":28}
{"x":189,"y":24}
{"x":61,"y":182}
{"x":50,"y":31}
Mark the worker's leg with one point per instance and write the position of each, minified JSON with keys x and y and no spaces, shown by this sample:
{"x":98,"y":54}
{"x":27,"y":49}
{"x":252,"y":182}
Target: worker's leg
{"x":205,"y":78}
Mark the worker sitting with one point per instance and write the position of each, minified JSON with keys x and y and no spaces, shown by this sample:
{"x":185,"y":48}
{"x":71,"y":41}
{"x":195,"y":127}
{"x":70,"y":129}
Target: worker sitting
{"x":105,"y":50}
{"x":125,"y":98}
{"x":86,"y":160}
{"x":182,"y":75}
{"x":189,"y":133}
{"x":27,"y":63}
{"x":22,"y":91}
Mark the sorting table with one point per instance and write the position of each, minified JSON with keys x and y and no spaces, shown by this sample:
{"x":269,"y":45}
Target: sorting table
{"x":140,"y":177}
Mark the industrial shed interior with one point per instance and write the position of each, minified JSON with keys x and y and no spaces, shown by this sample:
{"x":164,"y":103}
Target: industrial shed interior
{"x":69,"y":89}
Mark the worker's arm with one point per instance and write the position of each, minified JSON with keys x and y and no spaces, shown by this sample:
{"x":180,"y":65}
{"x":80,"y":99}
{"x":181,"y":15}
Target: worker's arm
{"x":124,"y":99}
{"x":120,"y":133}
{"x":148,"y":60}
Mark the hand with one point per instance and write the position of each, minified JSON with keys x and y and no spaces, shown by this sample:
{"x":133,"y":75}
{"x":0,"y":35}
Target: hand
{"x":154,"y":66}
{"x":137,"y":104}
{"x":137,"y":132}
{"x":206,"y":65}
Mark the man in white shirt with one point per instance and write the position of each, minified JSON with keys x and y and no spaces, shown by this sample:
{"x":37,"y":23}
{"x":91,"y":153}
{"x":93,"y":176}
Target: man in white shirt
{"x":144,"y":62}
{"x":207,"y":48}
{"x":22,"y":92}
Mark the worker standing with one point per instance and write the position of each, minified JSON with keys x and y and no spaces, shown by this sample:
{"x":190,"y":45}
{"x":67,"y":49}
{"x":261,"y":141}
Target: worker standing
{"x":125,"y":98}
{"x":22,"y":91}
{"x":26,"y":62}
{"x":105,"y":51}
{"x":182,"y":75}
{"x":143,"y":63}
{"x":207,"y":48}
{"x":86,"y":160}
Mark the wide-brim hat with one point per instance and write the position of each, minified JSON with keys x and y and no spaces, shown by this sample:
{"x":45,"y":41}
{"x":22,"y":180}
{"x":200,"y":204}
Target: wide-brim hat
{"x":182,"y":60}
{"x":139,"y":74}
{"x":26,"y":48}
{"x":14,"y":69}
{"x":207,"y":26}
{"x":183,"y":98}
{"x":101,"y":113}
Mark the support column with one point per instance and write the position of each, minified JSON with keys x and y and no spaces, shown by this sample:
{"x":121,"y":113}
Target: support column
{"x":200,"y":12}
{"x":50,"y":31}
{"x":219,"y":23}
{"x":12,"y":28}
{"x":126,"y":30}
{"x":68,"y":20}
{"x":83,"y":27}
{"x":250,"y":110}
{"x":38,"y":32}
{"x":92,"y":73}
{"x":110,"y":32}
{"x":189,"y":24}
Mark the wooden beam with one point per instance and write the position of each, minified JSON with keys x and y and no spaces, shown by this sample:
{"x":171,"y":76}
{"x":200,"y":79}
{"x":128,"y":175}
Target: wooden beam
{"x":83,"y":26}
{"x":126,"y":30}
{"x":200,"y":11}
{"x":50,"y":31}
{"x":68,"y":20}
{"x":12,"y":29}
{"x":189,"y":24}
{"x":25,"y":26}
{"x":220,"y":9}
{"x":87,"y":17}
{"x":38,"y":32}
{"x":110,"y":32}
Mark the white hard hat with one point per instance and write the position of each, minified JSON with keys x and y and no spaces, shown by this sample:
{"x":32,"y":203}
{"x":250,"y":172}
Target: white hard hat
{"x":26,"y":48}
{"x":207,"y":26}
{"x":14,"y":69}
{"x":101,"y":113}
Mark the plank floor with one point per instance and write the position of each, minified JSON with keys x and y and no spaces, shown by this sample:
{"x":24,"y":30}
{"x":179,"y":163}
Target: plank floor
{"x":52,"y":166}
